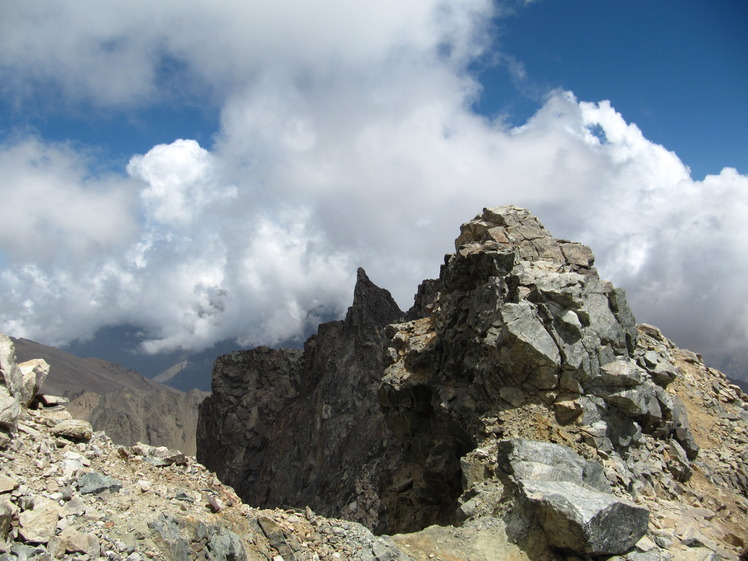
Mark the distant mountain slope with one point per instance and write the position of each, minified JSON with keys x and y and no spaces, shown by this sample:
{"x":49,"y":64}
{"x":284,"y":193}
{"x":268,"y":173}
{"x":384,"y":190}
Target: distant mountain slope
{"x":72,"y":375}
{"x":127,"y":406}
{"x":161,"y":417}
{"x":733,"y":363}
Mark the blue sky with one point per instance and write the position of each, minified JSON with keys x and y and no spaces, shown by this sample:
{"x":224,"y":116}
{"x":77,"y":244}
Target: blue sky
{"x":220,"y":172}
{"x":676,"y":69}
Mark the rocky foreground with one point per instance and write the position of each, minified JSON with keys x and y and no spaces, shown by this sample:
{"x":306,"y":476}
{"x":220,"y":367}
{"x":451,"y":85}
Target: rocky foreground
{"x":69,"y":493}
{"x":515,"y":413}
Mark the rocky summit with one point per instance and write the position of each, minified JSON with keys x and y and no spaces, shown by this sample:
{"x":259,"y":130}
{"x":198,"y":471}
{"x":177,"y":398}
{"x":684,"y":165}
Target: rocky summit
{"x":515,"y":412}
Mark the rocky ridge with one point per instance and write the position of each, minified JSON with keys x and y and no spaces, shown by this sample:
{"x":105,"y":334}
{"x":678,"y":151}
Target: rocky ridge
{"x":67,"y":492}
{"x":526,"y":344}
{"x":518,"y":353}
{"x":461,"y":431}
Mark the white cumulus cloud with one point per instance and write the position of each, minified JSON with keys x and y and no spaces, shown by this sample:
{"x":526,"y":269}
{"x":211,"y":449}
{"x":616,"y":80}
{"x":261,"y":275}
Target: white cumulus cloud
{"x":346,"y":139}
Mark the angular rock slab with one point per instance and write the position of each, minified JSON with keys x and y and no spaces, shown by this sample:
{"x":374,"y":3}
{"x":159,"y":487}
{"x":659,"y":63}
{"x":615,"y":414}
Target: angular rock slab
{"x":80,"y":542}
{"x":95,"y":483}
{"x":34,"y":373}
{"x":10,"y":409}
{"x":38,"y":524}
{"x":571,"y":498}
{"x":533,"y":460}
{"x":8,"y":513}
{"x":578,"y":519}
{"x":11,"y":381}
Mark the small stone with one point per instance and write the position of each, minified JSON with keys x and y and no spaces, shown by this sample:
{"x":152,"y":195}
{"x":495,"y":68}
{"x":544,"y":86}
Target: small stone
{"x":51,"y":400}
{"x":645,"y":544}
{"x":74,"y":429}
{"x":73,"y":463}
{"x":80,"y":542}
{"x":55,"y":547}
{"x":8,"y":512}
{"x":663,"y":541}
{"x":23,"y":552}
{"x":567,"y":411}
{"x":144,"y":485}
{"x":95,"y":483}
{"x":215,"y":504}
{"x":38,"y":524}
{"x":7,"y":484}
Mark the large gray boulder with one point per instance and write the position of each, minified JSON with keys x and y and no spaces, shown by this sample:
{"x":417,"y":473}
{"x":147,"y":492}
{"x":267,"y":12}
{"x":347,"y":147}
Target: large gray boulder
{"x":570,"y":498}
{"x":580,"y":520}
{"x":533,"y":460}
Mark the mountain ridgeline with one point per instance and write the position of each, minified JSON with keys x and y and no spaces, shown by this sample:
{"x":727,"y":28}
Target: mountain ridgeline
{"x":516,"y":412}
{"x":517,"y":399}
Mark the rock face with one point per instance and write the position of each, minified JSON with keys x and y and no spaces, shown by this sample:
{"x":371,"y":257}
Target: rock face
{"x":444,"y":415}
{"x":288,"y":427}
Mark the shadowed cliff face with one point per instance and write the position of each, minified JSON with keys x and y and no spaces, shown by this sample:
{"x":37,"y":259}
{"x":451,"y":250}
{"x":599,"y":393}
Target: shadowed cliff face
{"x":289,"y":427}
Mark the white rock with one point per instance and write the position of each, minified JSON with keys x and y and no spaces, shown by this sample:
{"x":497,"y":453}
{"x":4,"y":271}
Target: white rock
{"x":38,"y":524}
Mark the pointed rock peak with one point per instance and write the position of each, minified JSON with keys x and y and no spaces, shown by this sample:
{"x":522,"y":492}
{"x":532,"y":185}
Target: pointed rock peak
{"x":373,"y":302}
{"x":362,"y":277}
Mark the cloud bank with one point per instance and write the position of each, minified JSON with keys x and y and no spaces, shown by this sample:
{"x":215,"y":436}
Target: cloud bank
{"x":346,"y":139}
